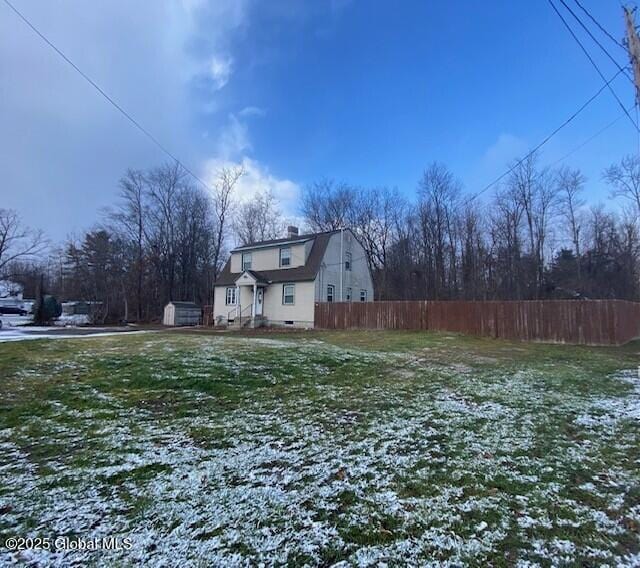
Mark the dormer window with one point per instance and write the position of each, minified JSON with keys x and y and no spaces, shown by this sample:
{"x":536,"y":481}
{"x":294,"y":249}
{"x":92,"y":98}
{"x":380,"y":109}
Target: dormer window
{"x":246,"y":261}
{"x":285,"y":256}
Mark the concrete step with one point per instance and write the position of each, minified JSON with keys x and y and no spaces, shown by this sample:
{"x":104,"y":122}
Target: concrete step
{"x":250,"y":323}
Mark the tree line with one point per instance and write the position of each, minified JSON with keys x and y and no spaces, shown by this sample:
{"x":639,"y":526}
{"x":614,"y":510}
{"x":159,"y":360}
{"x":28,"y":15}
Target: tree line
{"x":533,"y":237}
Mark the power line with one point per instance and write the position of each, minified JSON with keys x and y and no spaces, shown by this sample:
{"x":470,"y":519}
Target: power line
{"x":592,"y":137}
{"x":602,"y":29}
{"x":544,"y":141}
{"x":586,"y":29}
{"x":584,"y":49}
{"x":105,"y":95}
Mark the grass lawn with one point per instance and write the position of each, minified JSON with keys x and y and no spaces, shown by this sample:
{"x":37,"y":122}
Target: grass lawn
{"x":320,"y":448}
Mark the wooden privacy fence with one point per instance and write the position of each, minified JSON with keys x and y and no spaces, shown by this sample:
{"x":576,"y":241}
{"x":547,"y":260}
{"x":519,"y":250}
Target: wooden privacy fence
{"x":590,"y":322}
{"x":207,"y":315}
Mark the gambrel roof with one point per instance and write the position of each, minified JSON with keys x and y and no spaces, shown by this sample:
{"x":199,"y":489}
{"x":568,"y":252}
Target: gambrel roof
{"x":308,"y":271}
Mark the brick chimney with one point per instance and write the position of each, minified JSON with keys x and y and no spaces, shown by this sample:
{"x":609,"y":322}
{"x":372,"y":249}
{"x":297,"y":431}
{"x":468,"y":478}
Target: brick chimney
{"x":292,"y":231}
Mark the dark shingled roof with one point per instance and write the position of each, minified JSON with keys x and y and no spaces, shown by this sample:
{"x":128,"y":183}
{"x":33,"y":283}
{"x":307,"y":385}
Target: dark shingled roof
{"x":259,"y":278}
{"x":288,"y":240}
{"x":185,"y":305}
{"x":297,"y":274}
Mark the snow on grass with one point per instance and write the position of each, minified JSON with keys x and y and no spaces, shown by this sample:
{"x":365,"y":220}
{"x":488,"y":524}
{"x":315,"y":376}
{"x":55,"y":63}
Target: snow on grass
{"x":249,"y":451}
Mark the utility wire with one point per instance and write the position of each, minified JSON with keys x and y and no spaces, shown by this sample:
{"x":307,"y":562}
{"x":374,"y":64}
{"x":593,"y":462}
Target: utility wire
{"x":584,"y":49}
{"x":602,"y":29}
{"x":106,"y":96}
{"x":592,"y":137}
{"x":201,"y":181}
{"x":602,"y":47}
{"x":544,"y":141}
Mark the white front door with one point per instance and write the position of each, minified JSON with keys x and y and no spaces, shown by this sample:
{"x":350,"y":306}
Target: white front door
{"x":259,"y":298}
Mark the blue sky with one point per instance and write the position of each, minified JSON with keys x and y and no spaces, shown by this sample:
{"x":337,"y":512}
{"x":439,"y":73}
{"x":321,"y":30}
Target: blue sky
{"x":365,"y":92}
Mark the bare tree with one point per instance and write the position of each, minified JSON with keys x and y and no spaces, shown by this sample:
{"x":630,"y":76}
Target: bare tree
{"x":545,"y":209}
{"x":624,"y":178}
{"x":165,"y":185}
{"x":258,"y":219}
{"x":473,"y":254}
{"x":18,"y":242}
{"x":375,"y":215}
{"x":130,"y":219}
{"x":439,"y":191}
{"x":571,"y":185}
{"x":327,"y":205}
{"x":506,"y":245}
{"x":537,"y":193}
{"x":226,"y":181}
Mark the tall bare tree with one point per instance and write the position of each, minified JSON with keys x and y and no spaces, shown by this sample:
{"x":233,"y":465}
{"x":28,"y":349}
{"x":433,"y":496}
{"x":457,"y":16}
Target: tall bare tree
{"x":624,"y":179}
{"x":226,"y":181}
{"x":439,"y":191}
{"x":130,"y":216}
{"x":258,"y":219}
{"x":327,"y":205}
{"x":536,"y":191}
{"x":18,"y":242}
{"x":571,"y":185}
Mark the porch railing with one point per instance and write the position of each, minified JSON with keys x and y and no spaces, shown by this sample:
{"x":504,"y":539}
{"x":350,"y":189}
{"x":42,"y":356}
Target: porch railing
{"x":246,"y":312}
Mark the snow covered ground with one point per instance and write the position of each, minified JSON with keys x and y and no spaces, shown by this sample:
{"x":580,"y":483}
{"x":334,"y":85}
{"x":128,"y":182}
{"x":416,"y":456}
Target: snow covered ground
{"x":17,"y":328}
{"x":41,"y":332}
{"x":272,"y":451}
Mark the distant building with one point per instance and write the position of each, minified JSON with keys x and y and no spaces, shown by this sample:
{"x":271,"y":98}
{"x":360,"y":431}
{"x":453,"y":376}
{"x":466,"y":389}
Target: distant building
{"x":181,"y":313}
{"x":77,"y":307}
{"x":11,"y":300}
{"x":11,"y":290}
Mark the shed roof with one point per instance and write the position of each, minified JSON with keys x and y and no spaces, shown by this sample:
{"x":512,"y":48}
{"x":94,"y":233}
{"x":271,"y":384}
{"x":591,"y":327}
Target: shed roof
{"x":185,"y":305}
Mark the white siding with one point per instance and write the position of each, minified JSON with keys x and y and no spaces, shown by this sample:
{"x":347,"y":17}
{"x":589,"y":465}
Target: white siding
{"x":220,"y":310}
{"x":274,"y":312}
{"x":358,"y":278}
{"x":301,"y":312}
{"x":269,"y":258}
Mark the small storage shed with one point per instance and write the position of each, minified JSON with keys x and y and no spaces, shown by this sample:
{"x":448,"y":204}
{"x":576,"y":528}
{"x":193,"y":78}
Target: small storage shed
{"x":181,"y":313}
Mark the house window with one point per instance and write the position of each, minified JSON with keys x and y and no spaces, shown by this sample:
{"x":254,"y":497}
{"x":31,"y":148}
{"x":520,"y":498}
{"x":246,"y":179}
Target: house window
{"x":285,"y":256}
{"x":331,"y":293}
{"x":363,"y":295}
{"x":349,"y":294}
{"x":230,"y":299}
{"x":288,"y":294}
{"x":347,"y":261}
{"x":246,"y":261}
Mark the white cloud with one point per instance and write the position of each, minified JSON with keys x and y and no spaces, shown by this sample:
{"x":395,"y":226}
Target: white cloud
{"x":234,"y":143}
{"x":148,"y":56}
{"x":153,"y":62}
{"x":234,"y":140}
{"x":220,"y":68}
{"x":252,"y":111}
{"x":257,"y":179}
{"x":504,"y":150}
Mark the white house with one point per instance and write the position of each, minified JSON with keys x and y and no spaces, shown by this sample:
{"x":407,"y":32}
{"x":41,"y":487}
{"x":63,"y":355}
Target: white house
{"x":277,"y":282}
